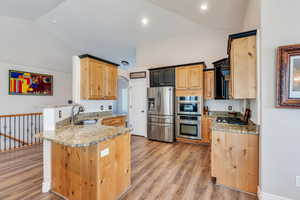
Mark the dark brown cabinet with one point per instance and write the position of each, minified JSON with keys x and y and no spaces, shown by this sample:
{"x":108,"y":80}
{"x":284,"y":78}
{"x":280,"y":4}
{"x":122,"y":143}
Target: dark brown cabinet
{"x":222,"y":79}
{"x":162,"y":77}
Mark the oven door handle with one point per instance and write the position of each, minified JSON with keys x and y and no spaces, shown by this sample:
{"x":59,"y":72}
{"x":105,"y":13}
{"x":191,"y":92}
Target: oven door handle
{"x":160,"y":124}
{"x":188,"y":122}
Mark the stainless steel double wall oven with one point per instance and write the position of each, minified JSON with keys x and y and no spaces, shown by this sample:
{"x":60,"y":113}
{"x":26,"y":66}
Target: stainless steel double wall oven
{"x":188,"y":116}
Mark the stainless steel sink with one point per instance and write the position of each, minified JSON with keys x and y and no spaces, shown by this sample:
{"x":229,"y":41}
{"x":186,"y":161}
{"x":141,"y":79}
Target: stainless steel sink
{"x":87,"y":122}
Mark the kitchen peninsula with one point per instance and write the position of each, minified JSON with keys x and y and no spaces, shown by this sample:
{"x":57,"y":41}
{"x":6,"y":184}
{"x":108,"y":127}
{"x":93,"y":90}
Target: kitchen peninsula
{"x":89,"y":161}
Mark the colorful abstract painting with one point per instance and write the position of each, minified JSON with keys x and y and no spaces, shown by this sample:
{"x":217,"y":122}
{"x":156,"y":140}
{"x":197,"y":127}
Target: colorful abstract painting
{"x":27,"y":83}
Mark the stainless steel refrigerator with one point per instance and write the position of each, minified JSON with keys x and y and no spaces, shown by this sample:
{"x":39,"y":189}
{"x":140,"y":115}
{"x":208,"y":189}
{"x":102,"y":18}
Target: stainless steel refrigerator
{"x":161,"y":114}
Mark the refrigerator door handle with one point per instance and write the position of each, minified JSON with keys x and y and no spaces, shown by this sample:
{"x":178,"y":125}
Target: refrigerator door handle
{"x":159,"y":100}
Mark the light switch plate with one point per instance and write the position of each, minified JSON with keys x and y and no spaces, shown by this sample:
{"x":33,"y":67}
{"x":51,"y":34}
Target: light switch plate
{"x":297,"y":181}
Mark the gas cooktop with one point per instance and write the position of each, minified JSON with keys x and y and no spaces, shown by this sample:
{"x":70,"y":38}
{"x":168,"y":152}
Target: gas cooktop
{"x":231,"y":120}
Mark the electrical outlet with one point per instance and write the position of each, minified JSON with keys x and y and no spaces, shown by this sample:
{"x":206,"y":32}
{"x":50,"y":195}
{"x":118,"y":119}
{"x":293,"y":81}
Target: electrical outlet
{"x":59,"y":114}
{"x":297,"y":181}
{"x":101,"y":107}
{"x":230,"y":108}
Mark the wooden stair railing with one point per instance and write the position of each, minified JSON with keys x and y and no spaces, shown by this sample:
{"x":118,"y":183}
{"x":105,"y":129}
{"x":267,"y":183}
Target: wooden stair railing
{"x":18,"y":130}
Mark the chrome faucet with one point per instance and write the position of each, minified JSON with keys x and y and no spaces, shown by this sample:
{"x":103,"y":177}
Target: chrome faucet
{"x":73,"y":115}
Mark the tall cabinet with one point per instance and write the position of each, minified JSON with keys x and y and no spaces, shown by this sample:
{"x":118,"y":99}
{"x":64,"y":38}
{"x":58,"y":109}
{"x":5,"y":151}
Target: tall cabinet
{"x":98,"y":79}
{"x":242,"y":52}
{"x":209,"y":84}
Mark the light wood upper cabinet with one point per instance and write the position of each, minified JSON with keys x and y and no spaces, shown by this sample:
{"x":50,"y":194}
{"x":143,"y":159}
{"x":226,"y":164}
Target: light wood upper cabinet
{"x":181,"y":78}
{"x":243,"y":63}
{"x":98,"y":80}
{"x":189,"y":80}
{"x":195,"y":77}
{"x":110,"y":76}
{"x":209,"y":84}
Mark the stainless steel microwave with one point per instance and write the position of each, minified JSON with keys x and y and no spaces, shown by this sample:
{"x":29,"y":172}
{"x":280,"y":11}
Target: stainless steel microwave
{"x":189,"y":105}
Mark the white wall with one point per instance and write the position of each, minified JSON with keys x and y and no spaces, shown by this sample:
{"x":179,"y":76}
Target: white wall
{"x":252,"y":16}
{"x":26,"y":46}
{"x":24,"y":42}
{"x":202,"y":44}
{"x":280,"y":133}
{"x":222,"y":105}
{"x":12,"y":104}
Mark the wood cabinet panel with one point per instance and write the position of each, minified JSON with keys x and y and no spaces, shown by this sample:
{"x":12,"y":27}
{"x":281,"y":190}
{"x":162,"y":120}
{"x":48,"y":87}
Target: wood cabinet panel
{"x":98,"y":80}
{"x":243,"y":67}
{"x":235,"y":160}
{"x":110,"y":74}
{"x":123,"y":169}
{"x":206,"y":123}
{"x":209,"y":85}
{"x":83,"y":173}
{"x":114,"y":121}
{"x":218,"y":148}
{"x":181,"y":78}
{"x":189,"y":80}
{"x":195,"y":77}
{"x":107,"y":169}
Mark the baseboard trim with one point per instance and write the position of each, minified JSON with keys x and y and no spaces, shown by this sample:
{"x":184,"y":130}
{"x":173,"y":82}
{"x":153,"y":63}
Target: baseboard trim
{"x":266,"y":196}
{"x":46,"y":186}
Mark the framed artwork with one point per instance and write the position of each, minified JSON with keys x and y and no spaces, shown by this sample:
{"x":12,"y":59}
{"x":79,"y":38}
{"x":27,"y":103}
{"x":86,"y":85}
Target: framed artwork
{"x":288,"y":76}
{"x":137,"y":75}
{"x":28,"y":83}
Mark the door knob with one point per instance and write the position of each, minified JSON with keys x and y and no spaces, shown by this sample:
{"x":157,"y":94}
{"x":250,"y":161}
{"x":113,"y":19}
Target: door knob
{"x":142,"y":111}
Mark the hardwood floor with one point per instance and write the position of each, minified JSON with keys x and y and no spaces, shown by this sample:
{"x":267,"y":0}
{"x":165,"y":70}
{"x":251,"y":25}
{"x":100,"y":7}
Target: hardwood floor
{"x":159,"y":171}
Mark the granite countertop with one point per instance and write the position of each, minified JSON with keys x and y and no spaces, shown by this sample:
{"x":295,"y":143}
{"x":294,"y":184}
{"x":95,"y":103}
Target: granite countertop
{"x":250,"y":128}
{"x":215,"y":114}
{"x":84,"y":135}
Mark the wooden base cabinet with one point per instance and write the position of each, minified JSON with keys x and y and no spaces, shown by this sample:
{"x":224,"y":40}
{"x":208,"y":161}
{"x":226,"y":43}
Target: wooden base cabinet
{"x":206,"y":125}
{"x":100,"y":171}
{"x":114,"y":121}
{"x":234,"y":160}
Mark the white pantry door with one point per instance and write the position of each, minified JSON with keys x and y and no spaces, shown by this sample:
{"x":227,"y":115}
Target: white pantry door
{"x":138,"y":106}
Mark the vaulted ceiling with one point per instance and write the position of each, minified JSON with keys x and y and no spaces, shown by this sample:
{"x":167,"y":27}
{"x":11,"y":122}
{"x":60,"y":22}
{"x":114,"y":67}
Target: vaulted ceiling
{"x":27,"y":9}
{"x":111,"y":29}
{"x":220,"y":14}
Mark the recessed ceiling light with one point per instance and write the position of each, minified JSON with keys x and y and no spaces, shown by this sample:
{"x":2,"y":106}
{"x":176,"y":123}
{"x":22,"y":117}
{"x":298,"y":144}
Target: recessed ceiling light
{"x":145,"y":21}
{"x":204,"y":7}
